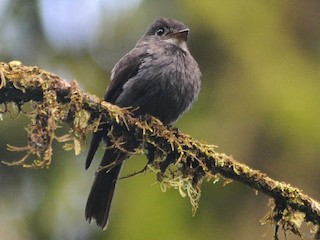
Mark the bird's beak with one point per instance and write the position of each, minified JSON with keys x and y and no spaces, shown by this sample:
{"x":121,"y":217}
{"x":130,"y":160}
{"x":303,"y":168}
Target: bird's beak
{"x":181,"y":35}
{"x":178,"y":38}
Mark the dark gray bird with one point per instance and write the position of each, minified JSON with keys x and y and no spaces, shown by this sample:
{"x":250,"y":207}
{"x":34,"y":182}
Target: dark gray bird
{"x":158,"y":77}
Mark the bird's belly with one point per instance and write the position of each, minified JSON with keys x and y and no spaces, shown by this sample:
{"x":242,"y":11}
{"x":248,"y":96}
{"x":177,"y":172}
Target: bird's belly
{"x":167,"y":104}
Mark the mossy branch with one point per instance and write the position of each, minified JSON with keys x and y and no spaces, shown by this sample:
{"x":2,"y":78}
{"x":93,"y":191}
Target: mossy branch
{"x":178,"y":160}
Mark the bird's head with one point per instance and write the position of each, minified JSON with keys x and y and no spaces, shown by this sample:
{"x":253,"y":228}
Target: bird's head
{"x":169,"y":30}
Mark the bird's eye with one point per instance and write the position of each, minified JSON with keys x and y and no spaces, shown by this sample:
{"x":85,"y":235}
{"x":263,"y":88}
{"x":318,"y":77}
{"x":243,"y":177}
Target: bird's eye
{"x":160,"y":31}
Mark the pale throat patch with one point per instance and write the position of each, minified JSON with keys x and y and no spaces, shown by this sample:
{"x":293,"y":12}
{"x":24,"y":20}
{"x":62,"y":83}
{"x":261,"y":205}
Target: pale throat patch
{"x":178,"y":42}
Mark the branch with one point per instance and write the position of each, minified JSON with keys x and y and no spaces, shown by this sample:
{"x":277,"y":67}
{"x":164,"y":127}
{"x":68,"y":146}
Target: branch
{"x":178,"y":160}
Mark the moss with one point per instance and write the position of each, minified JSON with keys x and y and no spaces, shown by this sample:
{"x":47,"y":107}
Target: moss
{"x":178,"y":161}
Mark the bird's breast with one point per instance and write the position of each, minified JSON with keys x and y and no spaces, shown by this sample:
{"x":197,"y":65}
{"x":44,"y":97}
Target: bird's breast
{"x":167,"y":83}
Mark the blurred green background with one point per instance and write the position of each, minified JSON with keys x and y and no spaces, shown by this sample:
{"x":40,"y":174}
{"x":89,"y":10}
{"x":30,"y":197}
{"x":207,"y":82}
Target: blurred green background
{"x":259,"y":102}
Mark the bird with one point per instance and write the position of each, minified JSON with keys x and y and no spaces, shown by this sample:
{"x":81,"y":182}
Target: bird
{"x":158,"y":77}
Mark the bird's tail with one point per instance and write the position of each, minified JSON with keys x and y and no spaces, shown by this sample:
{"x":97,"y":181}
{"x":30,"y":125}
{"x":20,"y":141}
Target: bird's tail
{"x":101,"y":194}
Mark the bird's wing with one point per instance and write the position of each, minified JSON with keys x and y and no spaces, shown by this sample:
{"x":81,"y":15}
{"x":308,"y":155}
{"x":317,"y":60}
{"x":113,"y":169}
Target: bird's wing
{"x":125,"y":69}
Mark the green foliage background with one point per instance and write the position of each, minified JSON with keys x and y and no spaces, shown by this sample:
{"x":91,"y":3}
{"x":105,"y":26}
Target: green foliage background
{"x":259,"y":102}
